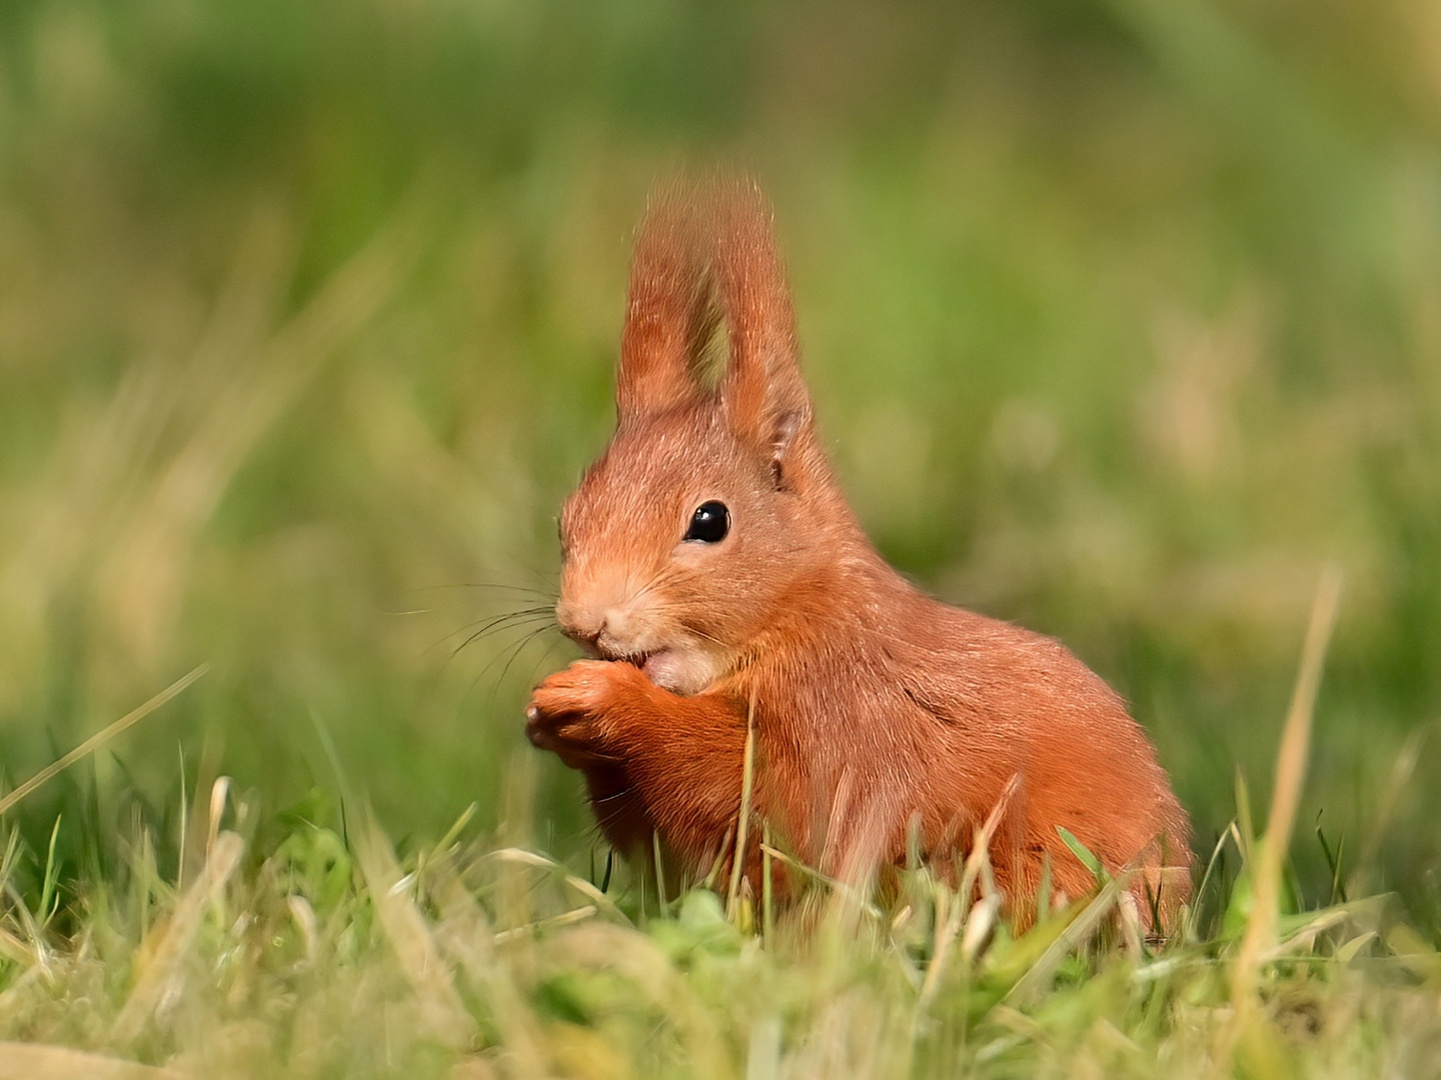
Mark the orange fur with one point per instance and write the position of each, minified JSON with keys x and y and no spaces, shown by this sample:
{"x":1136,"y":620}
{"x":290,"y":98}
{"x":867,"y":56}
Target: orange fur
{"x":880,"y":713}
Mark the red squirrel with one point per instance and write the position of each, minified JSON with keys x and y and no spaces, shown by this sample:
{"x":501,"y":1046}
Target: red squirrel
{"x":715,"y":570}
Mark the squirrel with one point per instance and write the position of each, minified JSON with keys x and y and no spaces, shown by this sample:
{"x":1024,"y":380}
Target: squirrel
{"x":716,"y":573}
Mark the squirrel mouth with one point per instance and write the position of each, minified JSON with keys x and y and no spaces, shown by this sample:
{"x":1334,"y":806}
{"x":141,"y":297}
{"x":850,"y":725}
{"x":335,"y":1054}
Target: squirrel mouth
{"x":657,"y":664}
{"x":679,"y":670}
{"x":667,"y":667}
{"x":653,"y":663}
{"x":648,"y":662}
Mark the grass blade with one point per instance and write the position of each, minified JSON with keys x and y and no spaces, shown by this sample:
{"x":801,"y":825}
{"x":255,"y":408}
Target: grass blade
{"x":743,"y":823}
{"x":100,"y":738}
{"x":1260,"y":935}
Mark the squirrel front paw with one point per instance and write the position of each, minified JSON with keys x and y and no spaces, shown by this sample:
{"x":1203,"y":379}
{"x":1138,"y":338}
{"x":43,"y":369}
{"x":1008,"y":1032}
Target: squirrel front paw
{"x":573,"y":712}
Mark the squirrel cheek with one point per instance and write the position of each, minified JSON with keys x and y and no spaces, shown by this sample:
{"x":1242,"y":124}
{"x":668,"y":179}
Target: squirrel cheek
{"x":681,"y":671}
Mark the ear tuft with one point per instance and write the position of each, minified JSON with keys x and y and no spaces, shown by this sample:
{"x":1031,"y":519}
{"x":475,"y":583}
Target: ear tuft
{"x":706,"y":257}
{"x":765,"y":398}
{"x":670,"y":313}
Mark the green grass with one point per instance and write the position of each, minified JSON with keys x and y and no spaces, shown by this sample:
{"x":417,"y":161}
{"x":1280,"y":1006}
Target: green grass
{"x":300,"y":945}
{"x":1122,"y":321}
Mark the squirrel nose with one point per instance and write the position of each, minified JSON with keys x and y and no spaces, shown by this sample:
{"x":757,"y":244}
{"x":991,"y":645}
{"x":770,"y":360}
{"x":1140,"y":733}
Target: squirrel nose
{"x":591,"y":642}
{"x":602,"y":630}
{"x":578,"y":623}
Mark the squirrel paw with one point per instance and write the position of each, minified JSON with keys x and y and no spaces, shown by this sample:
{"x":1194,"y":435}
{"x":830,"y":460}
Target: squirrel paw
{"x":570,"y":713}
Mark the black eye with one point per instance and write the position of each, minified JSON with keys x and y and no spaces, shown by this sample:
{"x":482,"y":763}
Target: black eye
{"x":710,"y":523}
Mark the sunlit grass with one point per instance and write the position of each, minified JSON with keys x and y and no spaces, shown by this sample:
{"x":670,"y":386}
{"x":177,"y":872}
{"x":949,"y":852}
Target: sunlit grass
{"x":290,"y":948}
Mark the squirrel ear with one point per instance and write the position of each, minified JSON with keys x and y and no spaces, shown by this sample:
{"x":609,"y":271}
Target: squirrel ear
{"x":670,"y":315}
{"x":782,"y":437}
{"x":764,"y":397}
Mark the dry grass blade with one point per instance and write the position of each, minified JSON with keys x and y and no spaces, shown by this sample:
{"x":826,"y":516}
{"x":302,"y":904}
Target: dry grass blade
{"x":219,"y":793}
{"x":659,"y":866}
{"x":100,"y":738}
{"x":1037,"y":980}
{"x":36,"y":1061}
{"x":554,"y":922}
{"x":1268,"y":855}
{"x":1304,"y":939}
{"x":16,"y":951}
{"x":466,"y":936}
{"x":855,"y":897}
{"x":1402,"y":770}
{"x":1260,"y":936}
{"x":579,"y":884}
{"x":163,"y":952}
{"x":748,"y":765}
{"x":768,"y":914}
{"x":949,"y":927}
{"x":410,"y":937}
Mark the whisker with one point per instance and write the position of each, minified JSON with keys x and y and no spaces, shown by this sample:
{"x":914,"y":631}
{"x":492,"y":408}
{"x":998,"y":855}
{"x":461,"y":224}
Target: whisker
{"x":514,"y":624}
{"x":506,"y":650}
{"x":610,"y":814}
{"x":510,"y":647}
{"x":489,"y":620}
{"x":515,"y":614}
{"x":491,"y":626}
{"x":516,"y":655}
{"x":663,"y":610}
{"x":539,"y":609}
{"x":545,"y":656}
{"x":698,"y":632}
{"x":511,"y":651}
{"x":543,"y":593}
{"x":660,"y":577}
{"x":622,"y":793}
{"x":480,"y":635}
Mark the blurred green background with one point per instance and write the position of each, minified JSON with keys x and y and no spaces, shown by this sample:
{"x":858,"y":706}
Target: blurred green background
{"x":1123,"y":317}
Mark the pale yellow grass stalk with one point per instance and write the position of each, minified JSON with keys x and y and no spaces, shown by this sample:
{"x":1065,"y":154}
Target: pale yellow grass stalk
{"x":1270,"y":853}
{"x":743,"y":822}
{"x":410,"y":937}
{"x":36,"y":1061}
{"x":164,"y":950}
{"x":950,"y":924}
{"x":100,"y":738}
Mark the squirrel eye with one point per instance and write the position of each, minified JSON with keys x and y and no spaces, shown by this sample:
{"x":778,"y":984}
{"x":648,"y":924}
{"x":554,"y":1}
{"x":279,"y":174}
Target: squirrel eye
{"x":710,"y":523}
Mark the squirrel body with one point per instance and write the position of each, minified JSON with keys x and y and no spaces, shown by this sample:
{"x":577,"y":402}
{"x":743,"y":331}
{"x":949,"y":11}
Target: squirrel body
{"x":713,"y":565}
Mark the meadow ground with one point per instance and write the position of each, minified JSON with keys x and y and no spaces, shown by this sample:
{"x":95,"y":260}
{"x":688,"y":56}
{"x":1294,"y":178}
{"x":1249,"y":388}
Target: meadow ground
{"x":282,"y":947}
{"x":1123,"y":320}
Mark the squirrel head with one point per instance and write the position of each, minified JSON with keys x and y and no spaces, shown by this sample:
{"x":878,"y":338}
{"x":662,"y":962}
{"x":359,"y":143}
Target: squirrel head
{"x":713,"y":498}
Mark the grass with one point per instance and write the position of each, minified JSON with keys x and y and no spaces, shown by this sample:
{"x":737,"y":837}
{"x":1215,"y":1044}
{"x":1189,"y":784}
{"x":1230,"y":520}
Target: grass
{"x":285,"y":947}
{"x":1122,"y":321}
